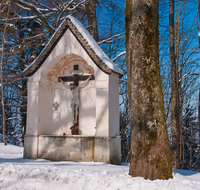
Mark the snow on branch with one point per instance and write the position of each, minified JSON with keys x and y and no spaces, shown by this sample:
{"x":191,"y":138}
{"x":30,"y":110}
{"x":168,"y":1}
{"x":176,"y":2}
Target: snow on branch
{"x":22,"y":7}
{"x":80,"y":3}
{"x":186,"y":114}
{"x":42,"y":12}
{"x":118,"y":56}
{"x":29,"y":17}
{"x":123,"y":80}
{"x":36,"y":36}
{"x":46,"y":8}
{"x":20,"y":18}
{"x":108,"y":39}
{"x":33,"y":8}
{"x":11,"y":118}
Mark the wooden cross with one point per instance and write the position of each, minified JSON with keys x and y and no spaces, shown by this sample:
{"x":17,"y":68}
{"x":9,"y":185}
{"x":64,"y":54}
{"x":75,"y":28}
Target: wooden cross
{"x":76,"y":78}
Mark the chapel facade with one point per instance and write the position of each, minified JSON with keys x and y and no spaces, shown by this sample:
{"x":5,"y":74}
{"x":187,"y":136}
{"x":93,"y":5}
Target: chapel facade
{"x":72,"y":57}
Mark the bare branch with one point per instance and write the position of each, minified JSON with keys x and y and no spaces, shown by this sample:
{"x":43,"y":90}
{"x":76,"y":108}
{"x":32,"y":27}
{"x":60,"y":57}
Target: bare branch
{"x":118,"y":56}
{"x":31,"y":7}
{"x":71,"y":9}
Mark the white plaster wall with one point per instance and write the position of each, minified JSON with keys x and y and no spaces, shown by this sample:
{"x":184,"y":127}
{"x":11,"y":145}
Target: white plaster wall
{"x":30,"y":147}
{"x":102,"y":150}
{"x":32,"y":108}
{"x":115,"y":151}
{"x":102,"y":114}
{"x":114,"y":105}
{"x":87,"y":110}
{"x":53,"y":122}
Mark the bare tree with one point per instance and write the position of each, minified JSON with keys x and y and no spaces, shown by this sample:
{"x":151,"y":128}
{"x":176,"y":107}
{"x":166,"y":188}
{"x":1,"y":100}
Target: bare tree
{"x":90,"y":8}
{"x":2,"y":86}
{"x":174,"y":92}
{"x":185,"y":67}
{"x":50,"y":14}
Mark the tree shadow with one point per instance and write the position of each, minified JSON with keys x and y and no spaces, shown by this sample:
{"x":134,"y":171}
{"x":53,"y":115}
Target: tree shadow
{"x":185,"y":172}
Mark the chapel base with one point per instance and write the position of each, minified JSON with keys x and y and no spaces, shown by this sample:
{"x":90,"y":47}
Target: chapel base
{"x":74,"y":148}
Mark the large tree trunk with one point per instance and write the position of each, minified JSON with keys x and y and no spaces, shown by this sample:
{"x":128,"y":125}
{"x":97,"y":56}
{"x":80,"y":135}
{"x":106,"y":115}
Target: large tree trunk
{"x":174,"y":93}
{"x":90,"y":7}
{"x":150,"y":153}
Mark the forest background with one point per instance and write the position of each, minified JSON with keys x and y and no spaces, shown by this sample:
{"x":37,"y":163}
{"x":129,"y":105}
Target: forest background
{"x":26,"y":27}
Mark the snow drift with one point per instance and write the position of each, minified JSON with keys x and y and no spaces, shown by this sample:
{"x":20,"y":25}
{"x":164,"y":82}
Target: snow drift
{"x":19,"y":173}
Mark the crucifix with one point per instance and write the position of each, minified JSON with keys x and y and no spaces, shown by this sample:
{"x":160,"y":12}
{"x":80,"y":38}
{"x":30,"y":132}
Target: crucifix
{"x":74,"y":88}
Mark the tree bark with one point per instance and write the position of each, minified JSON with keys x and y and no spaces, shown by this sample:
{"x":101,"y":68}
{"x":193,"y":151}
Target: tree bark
{"x":191,"y":146}
{"x":90,"y":7}
{"x":183,"y":159}
{"x":174,"y":93}
{"x":199,"y":126}
{"x":150,"y":153}
{"x":2,"y":92}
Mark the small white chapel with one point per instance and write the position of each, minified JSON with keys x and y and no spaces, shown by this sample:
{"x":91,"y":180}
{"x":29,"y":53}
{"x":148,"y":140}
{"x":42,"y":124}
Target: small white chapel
{"x":73,"y":100}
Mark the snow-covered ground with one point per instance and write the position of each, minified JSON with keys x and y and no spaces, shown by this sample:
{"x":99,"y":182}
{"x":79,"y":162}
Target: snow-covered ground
{"x":17,"y":173}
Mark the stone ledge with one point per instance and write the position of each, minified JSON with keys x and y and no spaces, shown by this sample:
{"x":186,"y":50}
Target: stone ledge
{"x":70,"y":136}
{"x":66,"y":136}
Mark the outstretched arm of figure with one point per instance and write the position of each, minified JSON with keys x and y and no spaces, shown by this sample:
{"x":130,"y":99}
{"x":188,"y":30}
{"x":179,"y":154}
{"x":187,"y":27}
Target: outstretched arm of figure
{"x":85,"y":82}
{"x":65,"y":85}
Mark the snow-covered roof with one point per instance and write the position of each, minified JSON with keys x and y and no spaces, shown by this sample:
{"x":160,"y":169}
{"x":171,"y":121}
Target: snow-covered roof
{"x":84,"y":38}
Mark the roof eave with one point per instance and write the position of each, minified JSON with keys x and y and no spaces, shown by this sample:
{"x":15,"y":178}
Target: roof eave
{"x":67,"y":24}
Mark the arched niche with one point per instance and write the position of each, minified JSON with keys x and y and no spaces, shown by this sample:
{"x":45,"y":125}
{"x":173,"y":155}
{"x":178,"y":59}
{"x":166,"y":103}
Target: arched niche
{"x":58,"y":120}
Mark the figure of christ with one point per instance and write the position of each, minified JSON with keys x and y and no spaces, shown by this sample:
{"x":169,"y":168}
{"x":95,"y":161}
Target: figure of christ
{"x":75,"y":97}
